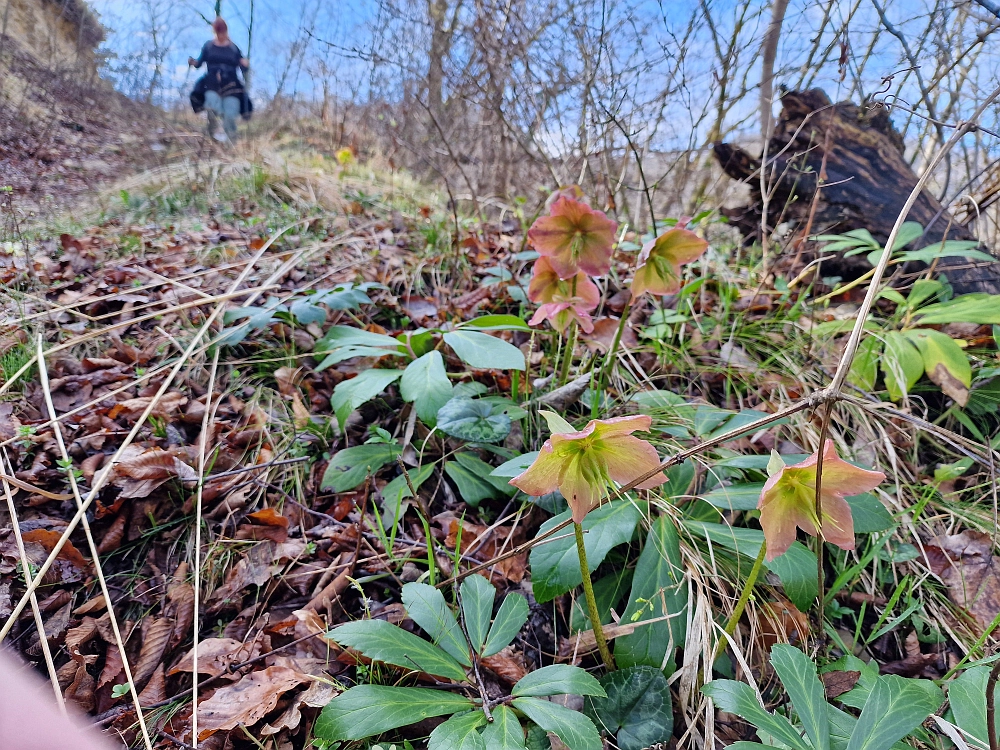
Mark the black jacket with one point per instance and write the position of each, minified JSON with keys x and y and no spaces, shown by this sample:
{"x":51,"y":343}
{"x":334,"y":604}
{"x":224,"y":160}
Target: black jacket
{"x":223,"y":62}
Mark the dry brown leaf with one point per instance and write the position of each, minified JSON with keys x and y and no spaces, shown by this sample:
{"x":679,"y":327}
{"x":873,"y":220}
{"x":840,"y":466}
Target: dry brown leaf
{"x":967,"y":566}
{"x":266,"y":524}
{"x":603,"y":335}
{"x":316,"y":695}
{"x":114,"y":667}
{"x":156,"y":632}
{"x":79,"y":636}
{"x":81,"y":690}
{"x":247,"y":701}
{"x":838,"y":683}
{"x":180,"y":608}
{"x":132,"y":408}
{"x":49,"y":539}
{"x":507,"y":664}
{"x":155,"y":690}
{"x":216,"y":655}
{"x":949,"y":384}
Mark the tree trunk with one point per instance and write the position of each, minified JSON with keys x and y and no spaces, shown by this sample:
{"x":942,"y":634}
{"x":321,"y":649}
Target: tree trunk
{"x":867,"y":180}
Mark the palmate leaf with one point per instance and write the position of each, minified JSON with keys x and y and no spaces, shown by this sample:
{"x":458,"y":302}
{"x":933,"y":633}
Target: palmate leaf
{"x":558,"y":679}
{"x":555,"y":565}
{"x":425,"y":383}
{"x":512,"y":615}
{"x":426,"y":606}
{"x":382,"y":641}
{"x":573,"y":728}
{"x":350,"y":394}
{"x":895,"y":708}
{"x":460,"y":732}
{"x":477,"y":595}
{"x":367,"y":710}
{"x":798,"y":675}
{"x":505,"y":733}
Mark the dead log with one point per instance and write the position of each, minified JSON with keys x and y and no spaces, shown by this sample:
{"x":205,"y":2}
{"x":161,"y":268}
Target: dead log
{"x":867,"y":182}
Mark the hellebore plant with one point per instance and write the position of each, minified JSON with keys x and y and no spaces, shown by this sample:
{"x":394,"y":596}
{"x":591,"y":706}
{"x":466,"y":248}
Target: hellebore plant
{"x":659,"y":269}
{"x":562,"y":301}
{"x":582,"y":465}
{"x":788,"y":500}
{"x":574,"y":237}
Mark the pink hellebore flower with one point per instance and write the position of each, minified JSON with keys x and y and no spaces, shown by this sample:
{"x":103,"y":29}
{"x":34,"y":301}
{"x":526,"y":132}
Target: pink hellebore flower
{"x":581,"y":465}
{"x":788,"y":500}
{"x":574,"y":237}
{"x":660,"y":261}
{"x":559,"y":304}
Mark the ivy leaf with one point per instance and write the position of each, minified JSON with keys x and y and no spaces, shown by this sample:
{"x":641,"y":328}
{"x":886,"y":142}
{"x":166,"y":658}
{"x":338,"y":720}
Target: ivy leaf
{"x":366,"y":710}
{"x":637,"y":711}
{"x":472,"y":420}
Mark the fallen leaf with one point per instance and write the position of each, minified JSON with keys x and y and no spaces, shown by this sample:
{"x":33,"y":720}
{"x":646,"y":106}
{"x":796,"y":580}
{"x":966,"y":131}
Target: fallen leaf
{"x":603,"y":335}
{"x":507,"y":664}
{"x":156,"y":633}
{"x":967,"y":566}
{"x":838,"y":683}
{"x":217,"y":655}
{"x":247,"y":701}
{"x":316,"y":695}
{"x":266,"y":524}
{"x":48,"y":539}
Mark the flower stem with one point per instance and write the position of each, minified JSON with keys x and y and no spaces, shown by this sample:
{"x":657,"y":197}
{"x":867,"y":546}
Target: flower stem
{"x":741,"y":603}
{"x":609,"y":359}
{"x":568,"y":356}
{"x":588,"y":592}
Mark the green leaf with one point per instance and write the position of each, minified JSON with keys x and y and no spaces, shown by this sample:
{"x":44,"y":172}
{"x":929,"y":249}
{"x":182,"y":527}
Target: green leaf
{"x":555,"y":565}
{"x":659,"y":589}
{"x":505,"y":733}
{"x":796,"y":568}
{"x":537,"y":738}
{"x":572,"y":727}
{"x":339,"y":336}
{"x":864,"y":368}
{"x":517,"y":465}
{"x":923,"y":290}
{"x":472,"y":486}
{"x":350,"y":352}
{"x":512,"y":615}
{"x":978,"y":308}
{"x":901,"y":363}
{"x":556,"y":424}
{"x":472,"y":420}
{"x":798,"y":674}
{"x":498,"y":323}
{"x":967,"y":694}
{"x":349,"y":467}
{"x":608,"y":592}
{"x":382,"y":641}
{"x":366,"y":710}
{"x":869,"y":514}
{"x":460,"y":732}
{"x":944,"y":361}
{"x":350,"y":394}
{"x":558,"y":679}
{"x":679,"y":479}
{"x":895,"y":708}
{"x":637,"y":712}
{"x":425,"y":383}
{"x":735,"y":496}
{"x":477,"y":596}
{"x":484,"y":352}
{"x":396,"y":493}
{"x":740,"y":699}
{"x":426,"y":606}
{"x":907,"y":233}
{"x":949,"y":249}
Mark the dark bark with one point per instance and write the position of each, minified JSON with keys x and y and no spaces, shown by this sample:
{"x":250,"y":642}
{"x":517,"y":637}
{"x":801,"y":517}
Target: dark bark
{"x":867,"y":182}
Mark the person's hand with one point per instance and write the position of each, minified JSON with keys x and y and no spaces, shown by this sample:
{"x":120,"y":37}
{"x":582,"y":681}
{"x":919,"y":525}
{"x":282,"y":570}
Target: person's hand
{"x":192,"y":62}
{"x":244,"y":62}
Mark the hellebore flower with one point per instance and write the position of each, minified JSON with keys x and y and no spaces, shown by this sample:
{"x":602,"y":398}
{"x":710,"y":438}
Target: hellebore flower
{"x":659,"y":270}
{"x":559,"y":304}
{"x":574,"y":237}
{"x":789,"y":500}
{"x":581,"y":465}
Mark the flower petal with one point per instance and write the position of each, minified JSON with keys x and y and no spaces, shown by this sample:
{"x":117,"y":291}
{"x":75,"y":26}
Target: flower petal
{"x":581,"y":485}
{"x":542,"y":477}
{"x":838,"y":523}
{"x":605,"y":428}
{"x":779,"y":520}
{"x":628,"y":458}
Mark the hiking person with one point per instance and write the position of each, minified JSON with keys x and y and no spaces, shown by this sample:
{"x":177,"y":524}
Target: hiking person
{"x":220,"y":91}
